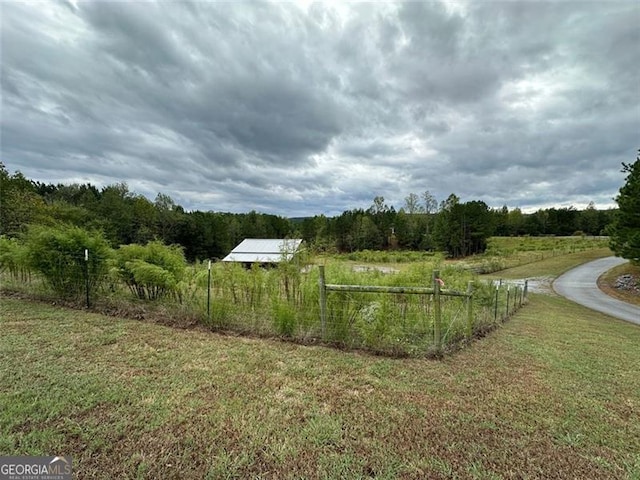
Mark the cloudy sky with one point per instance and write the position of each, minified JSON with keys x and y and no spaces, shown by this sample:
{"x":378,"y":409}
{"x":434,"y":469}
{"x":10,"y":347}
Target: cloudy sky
{"x":307,"y":108}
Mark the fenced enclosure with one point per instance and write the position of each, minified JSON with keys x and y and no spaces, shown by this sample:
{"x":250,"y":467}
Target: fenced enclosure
{"x":409,"y":313}
{"x":409,"y":320}
{"x":407,"y":317}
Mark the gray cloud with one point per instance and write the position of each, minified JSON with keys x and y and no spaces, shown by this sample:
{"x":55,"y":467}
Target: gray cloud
{"x":307,"y":109}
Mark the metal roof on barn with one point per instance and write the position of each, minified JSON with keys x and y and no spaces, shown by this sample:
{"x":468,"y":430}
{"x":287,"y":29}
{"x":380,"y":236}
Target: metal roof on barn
{"x":264,"y":250}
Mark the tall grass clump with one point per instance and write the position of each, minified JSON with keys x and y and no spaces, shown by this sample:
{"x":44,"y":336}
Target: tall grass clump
{"x":58,"y":254}
{"x":274,"y":300}
{"x":14,"y":259}
{"x":151,"y":271}
{"x":387,"y":256}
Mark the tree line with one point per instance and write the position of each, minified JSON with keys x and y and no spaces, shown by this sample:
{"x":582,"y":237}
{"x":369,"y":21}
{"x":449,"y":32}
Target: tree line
{"x":459,"y":228}
{"x":124,"y":217}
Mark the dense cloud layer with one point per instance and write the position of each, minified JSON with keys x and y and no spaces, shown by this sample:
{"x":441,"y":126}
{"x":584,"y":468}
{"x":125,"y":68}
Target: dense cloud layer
{"x":301,"y":109}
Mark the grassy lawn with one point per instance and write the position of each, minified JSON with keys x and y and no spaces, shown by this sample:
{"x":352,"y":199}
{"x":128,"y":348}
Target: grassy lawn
{"x":551,"y":266}
{"x":555,"y":393}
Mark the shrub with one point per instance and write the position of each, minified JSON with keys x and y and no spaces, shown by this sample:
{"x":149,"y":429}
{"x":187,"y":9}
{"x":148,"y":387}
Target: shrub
{"x":58,"y":253}
{"x":14,"y":257}
{"x":151,"y":271}
{"x":284,"y":318}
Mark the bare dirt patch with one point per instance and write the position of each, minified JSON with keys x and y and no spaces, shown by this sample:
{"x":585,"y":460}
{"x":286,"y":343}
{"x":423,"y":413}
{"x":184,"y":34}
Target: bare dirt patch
{"x":534,"y":285}
{"x":374,"y":268}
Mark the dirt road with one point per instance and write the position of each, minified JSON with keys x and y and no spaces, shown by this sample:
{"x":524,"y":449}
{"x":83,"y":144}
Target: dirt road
{"x":580,"y":285}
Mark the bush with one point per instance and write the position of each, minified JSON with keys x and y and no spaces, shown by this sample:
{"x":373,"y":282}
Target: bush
{"x":14,"y":257}
{"x":151,"y":271}
{"x":284,"y":318}
{"x":58,"y":253}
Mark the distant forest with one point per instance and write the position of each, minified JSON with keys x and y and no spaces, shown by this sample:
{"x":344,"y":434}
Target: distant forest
{"x":124,"y":217}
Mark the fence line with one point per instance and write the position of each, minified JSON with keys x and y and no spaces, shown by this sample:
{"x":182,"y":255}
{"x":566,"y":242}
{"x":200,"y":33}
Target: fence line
{"x":391,"y":322}
{"x":436,"y":291}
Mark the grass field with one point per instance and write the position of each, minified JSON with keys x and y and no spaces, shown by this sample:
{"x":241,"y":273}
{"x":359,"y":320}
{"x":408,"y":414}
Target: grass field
{"x":551,"y":266}
{"x":554,"y":393}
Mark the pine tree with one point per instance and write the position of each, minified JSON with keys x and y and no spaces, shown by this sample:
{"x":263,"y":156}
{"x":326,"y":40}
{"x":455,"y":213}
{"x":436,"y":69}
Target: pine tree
{"x":625,"y":229}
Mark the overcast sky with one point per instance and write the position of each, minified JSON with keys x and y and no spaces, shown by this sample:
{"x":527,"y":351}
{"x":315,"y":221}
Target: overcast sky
{"x":307,"y":108}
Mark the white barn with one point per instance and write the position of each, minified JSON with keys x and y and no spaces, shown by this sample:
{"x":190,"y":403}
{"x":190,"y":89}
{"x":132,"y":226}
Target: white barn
{"x":264,"y":250}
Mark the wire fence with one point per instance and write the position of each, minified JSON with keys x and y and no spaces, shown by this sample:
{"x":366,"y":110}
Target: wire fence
{"x":386,"y":314}
{"x":407,"y":319}
{"x":78,"y":277}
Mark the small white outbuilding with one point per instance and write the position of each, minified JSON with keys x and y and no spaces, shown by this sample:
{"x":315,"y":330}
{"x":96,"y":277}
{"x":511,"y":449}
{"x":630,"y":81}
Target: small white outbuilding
{"x":264,"y":250}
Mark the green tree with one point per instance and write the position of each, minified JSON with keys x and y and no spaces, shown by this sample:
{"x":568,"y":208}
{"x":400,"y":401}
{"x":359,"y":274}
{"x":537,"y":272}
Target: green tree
{"x":515,"y":222}
{"x":462,"y":229}
{"x":343,"y":229}
{"x":446,"y":230}
{"x":383,"y":217}
{"x":20,"y":205}
{"x":625,"y":229}
{"x":116,"y":210}
{"x":430,"y":209}
{"x":314,"y":231}
{"x":168,"y":217}
{"x":501,"y":220}
{"x":367,"y":235}
{"x":589,"y":221}
{"x":478,"y":226}
{"x":144,"y":221}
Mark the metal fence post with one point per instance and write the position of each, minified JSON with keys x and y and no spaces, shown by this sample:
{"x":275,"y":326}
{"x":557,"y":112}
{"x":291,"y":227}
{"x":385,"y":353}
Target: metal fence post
{"x":86,"y":273}
{"x":209,"y":292}
{"x":438,"y":311}
{"x":469,"y":309}
{"x":495,"y":312}
{"x":323,"y":301}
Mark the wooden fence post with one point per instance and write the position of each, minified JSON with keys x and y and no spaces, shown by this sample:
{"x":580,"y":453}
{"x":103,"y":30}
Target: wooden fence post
{"x":525,"y":291}
{"x":323,"y":302}
{"x":438,"y":311}
{"x":469,"y":309}
{"x":495,"y":312}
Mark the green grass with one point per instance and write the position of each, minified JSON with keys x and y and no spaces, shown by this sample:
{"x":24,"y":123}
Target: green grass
{"x":552,"y":266}
{"x":555,"y":393}
{"x":505,"y":253}
{"x":540,"y":244}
